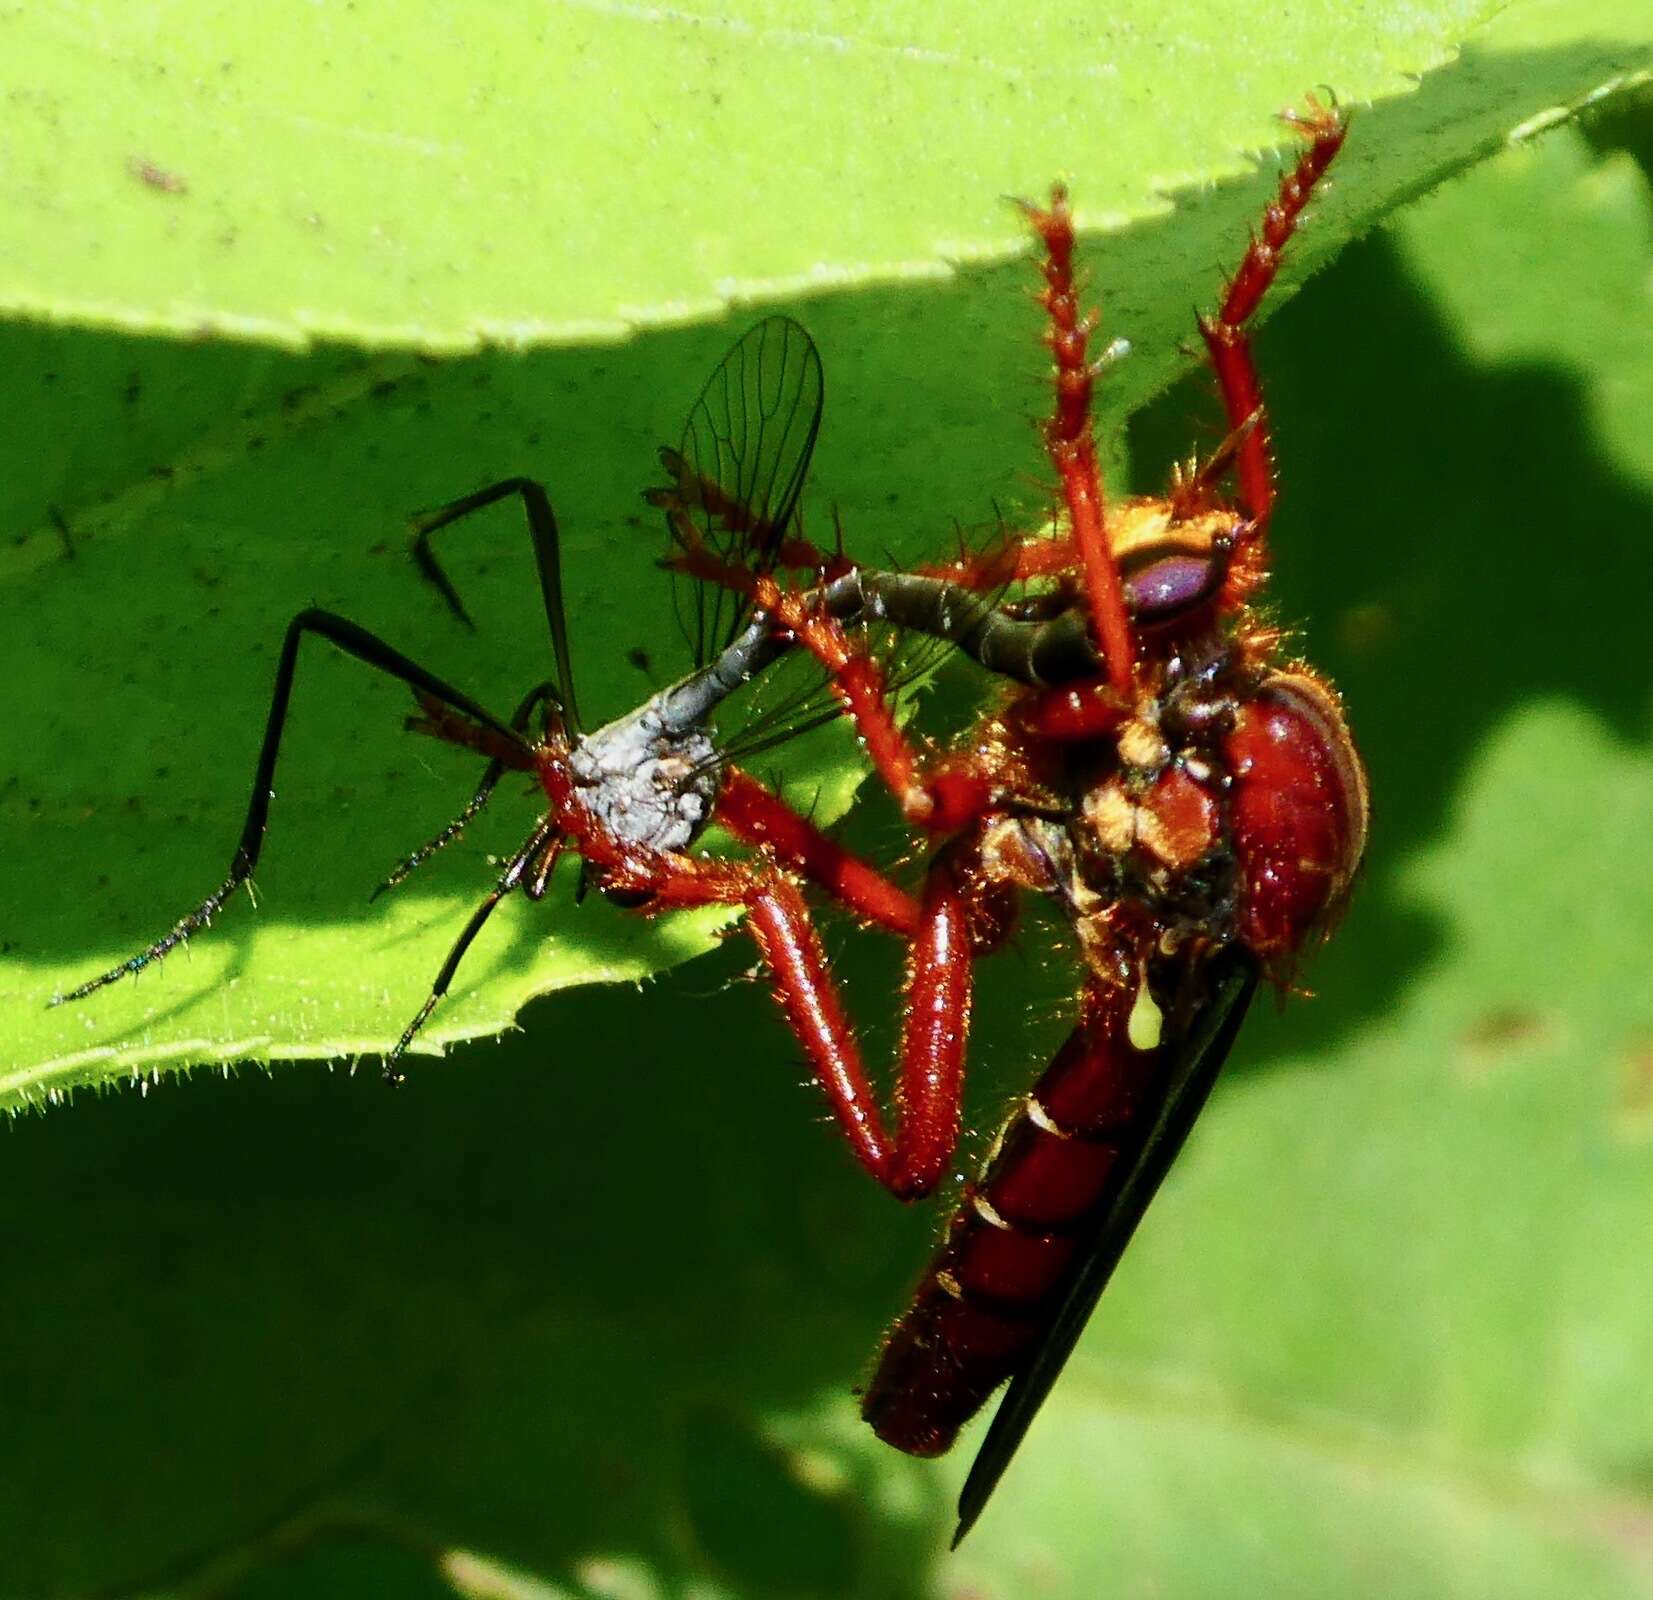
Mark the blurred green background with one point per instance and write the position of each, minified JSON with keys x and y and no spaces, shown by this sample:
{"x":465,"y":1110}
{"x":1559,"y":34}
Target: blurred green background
{"x":577,"y":1313}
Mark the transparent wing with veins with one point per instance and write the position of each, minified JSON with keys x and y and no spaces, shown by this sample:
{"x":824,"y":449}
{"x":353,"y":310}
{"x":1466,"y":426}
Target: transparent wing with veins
{"x":738,"y":473}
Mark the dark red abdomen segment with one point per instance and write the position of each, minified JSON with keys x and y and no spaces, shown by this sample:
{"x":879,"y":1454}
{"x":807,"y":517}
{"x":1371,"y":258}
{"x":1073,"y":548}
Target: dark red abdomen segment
{"x":1298,"y":814}
{"x":985,"y":1300}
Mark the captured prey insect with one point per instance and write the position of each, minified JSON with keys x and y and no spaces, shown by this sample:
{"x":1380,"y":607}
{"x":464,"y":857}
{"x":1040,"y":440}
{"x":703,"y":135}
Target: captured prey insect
{"x":631,"y":797}
{"x":1163,"y":770}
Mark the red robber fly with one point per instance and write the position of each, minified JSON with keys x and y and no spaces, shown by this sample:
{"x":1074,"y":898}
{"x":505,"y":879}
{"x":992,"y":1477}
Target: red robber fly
{"x":1159,"y":766}
{"x":1156,"y":765}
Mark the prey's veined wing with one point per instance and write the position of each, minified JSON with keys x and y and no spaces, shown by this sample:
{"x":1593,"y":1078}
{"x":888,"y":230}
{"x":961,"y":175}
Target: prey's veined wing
{"x":1227,"y":980}
{"x":740,"y":469}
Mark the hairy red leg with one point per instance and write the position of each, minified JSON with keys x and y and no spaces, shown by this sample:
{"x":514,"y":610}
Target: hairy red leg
{"x":857,"y":679}
{"x":757,"y":816}
{"x":945,"y":802}
{"x":959,"y":916}
{"x":1224,"y":333}
{"x":911,"y":1161}
{"x":859,"y":682}
{"x":934,"y":1033}
{"x":1071,"y":445}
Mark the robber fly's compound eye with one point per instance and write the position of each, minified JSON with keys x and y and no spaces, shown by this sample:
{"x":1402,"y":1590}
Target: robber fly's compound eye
{"x":1167,"y":578}
{"x":1171,"y":585}
{"x":1169,"y":564}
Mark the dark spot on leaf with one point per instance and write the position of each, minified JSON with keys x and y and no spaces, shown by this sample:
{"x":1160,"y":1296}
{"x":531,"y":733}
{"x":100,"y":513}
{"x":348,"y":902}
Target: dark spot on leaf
{"x":1500,"y":1033}
{"x":1365,"y":627}
{"x":1633,"y":1114}
{"x":63,"y":533}
{"x":155,"y":177}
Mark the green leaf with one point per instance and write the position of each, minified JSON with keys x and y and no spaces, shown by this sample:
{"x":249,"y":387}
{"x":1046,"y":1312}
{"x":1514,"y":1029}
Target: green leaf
{"x":207,"y":490}
{"x":495,"y":177}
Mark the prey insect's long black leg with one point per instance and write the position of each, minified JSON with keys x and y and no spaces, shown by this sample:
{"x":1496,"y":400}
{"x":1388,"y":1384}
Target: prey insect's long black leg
{"x":365,"y":647}
{"x":542,"y":533}
{"x":540,"y":694}
{"x":509,"y":880}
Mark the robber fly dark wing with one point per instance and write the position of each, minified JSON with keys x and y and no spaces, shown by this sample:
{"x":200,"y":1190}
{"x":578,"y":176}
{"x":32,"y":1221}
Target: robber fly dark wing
{"x":741,"y":467}
{"x":1230,"y":980}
